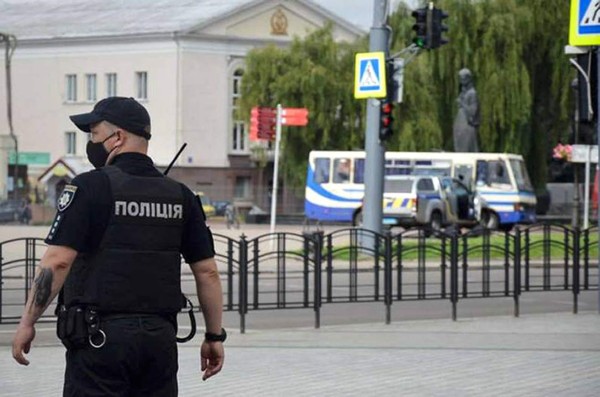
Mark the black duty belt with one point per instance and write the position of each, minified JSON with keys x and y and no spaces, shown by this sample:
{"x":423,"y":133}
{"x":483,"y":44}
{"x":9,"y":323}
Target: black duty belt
{"x":189,"y":309}
{"x":79,"y":325}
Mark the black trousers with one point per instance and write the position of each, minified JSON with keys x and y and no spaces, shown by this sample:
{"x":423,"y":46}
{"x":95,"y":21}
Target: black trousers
{"x":139,"y":358}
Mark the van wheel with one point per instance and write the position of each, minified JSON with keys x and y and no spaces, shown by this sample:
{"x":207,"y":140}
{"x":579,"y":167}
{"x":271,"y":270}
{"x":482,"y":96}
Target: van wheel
{"x":436,"y":222}
{"x":357,"y":219}
{"x":490,"y":220}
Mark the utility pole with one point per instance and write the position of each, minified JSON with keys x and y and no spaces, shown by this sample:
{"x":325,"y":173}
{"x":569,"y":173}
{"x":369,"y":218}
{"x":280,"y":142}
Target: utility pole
{"x":374,"y":149}
{"x":10,"y":43}
{"x":598,"y":165}
{"x":575,"y":123}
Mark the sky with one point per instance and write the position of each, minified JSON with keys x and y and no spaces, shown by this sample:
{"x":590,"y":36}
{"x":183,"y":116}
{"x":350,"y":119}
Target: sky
{"x":359,"y":12}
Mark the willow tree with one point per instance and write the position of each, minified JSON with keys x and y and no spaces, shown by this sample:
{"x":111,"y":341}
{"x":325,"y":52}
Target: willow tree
{"x":317,"y":73}
{"x":520,"y":75}
{"x":551,"y":76}
{"x":513,"y":48}
{"x":417,"y":125}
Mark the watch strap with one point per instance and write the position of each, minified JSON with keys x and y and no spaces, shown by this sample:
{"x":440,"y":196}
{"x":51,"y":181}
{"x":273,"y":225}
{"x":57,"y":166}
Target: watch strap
{"x":210,"y":337}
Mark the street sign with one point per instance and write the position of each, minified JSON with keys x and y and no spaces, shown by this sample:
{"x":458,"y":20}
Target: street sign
{"x":584,"y":28}
{"x":294,"y":116}
{"x":262,"y":123}
{"x":369,"y":75}
{"x":579,"y":153}
{"x":30,"y":158}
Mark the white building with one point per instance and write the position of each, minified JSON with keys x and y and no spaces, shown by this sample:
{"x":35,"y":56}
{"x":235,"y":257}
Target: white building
{"x":183,"y":59}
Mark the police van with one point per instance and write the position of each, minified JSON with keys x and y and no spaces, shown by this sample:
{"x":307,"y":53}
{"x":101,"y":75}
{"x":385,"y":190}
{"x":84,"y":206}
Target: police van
{"x":426,"y":201}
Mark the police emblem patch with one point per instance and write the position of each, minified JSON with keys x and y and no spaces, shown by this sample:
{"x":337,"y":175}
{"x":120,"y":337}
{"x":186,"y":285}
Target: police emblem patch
{"x":66,"y":198}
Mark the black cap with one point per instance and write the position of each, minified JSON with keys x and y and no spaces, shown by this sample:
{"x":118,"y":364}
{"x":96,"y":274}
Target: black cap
{"x":126,"y":113}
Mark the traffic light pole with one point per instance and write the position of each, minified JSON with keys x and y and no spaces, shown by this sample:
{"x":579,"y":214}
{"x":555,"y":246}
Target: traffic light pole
{"x":374,"y":158}
{"x":598,"y":165}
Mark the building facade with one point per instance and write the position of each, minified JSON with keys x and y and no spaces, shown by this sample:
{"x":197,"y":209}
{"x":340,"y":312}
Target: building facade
{"x":183,"y":59}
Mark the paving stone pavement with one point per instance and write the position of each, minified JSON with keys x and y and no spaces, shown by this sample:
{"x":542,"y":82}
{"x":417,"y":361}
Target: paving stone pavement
{"x":534,"y":355}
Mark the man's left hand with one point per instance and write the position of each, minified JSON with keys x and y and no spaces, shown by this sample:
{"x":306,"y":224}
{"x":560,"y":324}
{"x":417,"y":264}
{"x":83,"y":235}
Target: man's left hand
{"x":211,"y":358}
{"x":22,"y":343}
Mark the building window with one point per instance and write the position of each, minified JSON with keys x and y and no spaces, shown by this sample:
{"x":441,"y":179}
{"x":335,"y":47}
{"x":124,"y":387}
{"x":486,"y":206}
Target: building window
{"x":239,"y":135}
{"x":111,"y":84}
{"x":71,"y":142}
{"x":239,"y":138}
{"x":90,"y":81}
{"x":141,"y":79}
{"x":71,"y":81}
{"x":243,"y":187}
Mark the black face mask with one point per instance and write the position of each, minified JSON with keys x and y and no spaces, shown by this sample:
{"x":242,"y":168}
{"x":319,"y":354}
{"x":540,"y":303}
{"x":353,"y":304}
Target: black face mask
{"x":96,"y":152}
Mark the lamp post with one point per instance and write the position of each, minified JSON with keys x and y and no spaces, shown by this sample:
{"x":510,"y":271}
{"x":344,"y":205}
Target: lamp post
{"x":575,"y":123}
{"x":10,"y":43}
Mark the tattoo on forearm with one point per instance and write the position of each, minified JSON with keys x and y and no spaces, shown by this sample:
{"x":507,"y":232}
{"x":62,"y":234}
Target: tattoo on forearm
{"x":43,"y":288}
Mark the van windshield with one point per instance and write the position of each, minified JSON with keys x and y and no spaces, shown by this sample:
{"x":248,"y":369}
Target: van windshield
{"x":521,"y":176}
{"x":397,"y":185}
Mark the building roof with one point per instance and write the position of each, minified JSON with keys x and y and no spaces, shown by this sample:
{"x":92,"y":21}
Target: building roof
{"x":66,"y":166}
{"x":48,"y":19}
{"x":77,"y":18}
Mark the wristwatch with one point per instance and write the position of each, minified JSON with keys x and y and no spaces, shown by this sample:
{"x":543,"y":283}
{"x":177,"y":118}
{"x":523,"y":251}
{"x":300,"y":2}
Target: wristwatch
{"x":210,"y":337}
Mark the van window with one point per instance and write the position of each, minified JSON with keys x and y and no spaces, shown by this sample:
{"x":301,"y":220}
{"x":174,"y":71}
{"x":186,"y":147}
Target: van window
{"x":321,"y":170}
{"x":492,"y":172}
{"x":463,"y":172}
{"x":398,"y":167}
{"x":359,"y":170}
{"x":425,"y":185}
{"x":481,"y":173}
{"x":341,"y":170}
{"x":498,"y":172}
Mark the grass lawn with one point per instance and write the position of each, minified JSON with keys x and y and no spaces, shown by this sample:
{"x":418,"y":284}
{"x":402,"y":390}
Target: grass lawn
{"x":476,"y":247}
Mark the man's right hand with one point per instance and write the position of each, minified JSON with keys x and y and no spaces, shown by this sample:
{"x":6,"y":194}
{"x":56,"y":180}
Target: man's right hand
{"x":212,"y":356}
{"x":22,"y":343}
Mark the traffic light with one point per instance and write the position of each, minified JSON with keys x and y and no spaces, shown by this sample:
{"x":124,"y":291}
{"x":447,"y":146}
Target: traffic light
{"x":421,"y":39}
{"x":437,"y":28}
{"x":395,"y":79}
{"x":385,"y":119}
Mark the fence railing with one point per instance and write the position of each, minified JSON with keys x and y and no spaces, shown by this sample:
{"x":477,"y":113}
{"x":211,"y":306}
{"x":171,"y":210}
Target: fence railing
{"x":306,"y":271}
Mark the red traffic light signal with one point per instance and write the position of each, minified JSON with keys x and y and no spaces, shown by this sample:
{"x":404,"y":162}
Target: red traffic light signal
{"x":386,"y":120}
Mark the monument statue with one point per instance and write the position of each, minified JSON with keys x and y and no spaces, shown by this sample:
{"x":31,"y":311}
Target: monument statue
{"x":466,"y":123}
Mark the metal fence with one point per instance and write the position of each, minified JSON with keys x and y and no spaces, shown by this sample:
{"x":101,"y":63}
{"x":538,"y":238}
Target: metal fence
{"x":306,"y":271}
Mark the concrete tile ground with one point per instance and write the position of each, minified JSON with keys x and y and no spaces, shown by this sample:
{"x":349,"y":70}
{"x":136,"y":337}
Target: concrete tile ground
{"x":534,"y":355}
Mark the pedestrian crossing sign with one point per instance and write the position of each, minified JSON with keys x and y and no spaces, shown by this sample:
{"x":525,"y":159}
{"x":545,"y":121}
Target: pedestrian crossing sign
{"x":369,"y":75}
{"x":584,"y":29}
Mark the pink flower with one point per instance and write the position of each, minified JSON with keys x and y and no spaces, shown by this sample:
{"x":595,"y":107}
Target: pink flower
{"x":562,"y":152}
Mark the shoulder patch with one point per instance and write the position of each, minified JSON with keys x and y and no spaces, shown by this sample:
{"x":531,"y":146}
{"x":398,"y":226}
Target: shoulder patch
{"x":67,"y":197}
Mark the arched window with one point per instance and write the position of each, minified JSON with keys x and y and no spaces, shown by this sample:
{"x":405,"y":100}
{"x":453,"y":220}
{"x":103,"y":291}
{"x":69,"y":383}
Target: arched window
{"x":239,"y":137}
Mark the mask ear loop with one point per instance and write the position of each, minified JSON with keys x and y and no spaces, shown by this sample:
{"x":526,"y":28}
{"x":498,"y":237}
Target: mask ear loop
{"x":111,"y":135}
{"x":115,"y":147}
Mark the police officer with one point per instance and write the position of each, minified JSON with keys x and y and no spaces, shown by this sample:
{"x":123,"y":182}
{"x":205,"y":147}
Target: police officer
{"x":115,"y":245}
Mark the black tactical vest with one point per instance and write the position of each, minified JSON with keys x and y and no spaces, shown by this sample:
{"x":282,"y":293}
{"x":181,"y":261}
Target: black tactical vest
{"x":137,"y":266}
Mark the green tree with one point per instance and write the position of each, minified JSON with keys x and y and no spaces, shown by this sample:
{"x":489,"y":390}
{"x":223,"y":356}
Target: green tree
{"x":521,"y":77}
{"x":316,"y":73}
{"x":513,"y":47}
{"x":417,"y":123}
{"x":551,"y":75}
